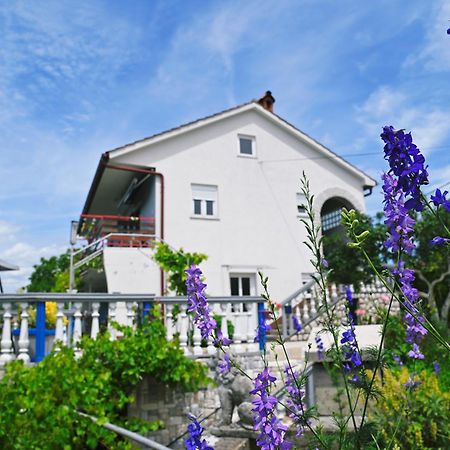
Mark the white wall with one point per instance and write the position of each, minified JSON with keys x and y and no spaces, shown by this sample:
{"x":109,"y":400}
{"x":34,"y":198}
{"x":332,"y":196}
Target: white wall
{"x":258,"y":226}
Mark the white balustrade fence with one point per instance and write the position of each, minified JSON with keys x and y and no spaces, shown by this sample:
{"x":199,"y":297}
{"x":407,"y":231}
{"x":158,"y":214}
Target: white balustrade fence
{"x":83,"y":314}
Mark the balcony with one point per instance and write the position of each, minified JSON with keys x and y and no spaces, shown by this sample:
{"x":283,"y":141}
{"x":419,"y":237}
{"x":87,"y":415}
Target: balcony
{"x":118,"y":231}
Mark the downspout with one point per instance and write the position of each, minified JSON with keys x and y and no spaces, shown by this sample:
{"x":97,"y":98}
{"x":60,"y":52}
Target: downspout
{"x":152,"y":172}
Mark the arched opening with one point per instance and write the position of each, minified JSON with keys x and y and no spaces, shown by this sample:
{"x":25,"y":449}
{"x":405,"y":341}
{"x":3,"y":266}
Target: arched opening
{"x":330,"y":215}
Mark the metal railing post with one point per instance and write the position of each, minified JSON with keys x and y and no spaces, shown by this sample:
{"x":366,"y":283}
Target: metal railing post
{"x":40,"y":331}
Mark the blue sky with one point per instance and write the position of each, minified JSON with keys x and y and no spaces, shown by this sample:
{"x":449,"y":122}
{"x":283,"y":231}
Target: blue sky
{"x":78,"y":78}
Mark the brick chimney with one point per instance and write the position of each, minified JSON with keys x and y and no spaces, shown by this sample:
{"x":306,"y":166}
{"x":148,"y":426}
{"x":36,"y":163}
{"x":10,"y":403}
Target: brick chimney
{"x":267,"y":101}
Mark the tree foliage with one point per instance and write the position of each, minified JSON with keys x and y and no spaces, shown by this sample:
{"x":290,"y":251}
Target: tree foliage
{"x":52,"y":274}
{"x":47,"y":274}
{"x":347,"y":264}
{"x":174,"y":263}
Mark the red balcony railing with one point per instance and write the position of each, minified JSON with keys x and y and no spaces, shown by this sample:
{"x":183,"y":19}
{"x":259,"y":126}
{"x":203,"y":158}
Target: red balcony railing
{"x":120,"y":231}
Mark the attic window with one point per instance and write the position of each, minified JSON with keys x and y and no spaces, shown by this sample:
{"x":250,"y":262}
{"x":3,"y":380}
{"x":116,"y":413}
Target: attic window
{"x":247,"y":146}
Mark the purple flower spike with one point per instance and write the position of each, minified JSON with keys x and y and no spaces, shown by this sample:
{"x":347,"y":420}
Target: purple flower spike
{"x":198,"y":303}
{"x":272,"y":431}
{"x":402,"y":194}
{"x":406,"y":164}
{"x":195,"y":441}
{"x":297,"y":325}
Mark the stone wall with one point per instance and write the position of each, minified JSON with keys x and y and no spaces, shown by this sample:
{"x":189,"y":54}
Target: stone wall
{"x":158,"y":401}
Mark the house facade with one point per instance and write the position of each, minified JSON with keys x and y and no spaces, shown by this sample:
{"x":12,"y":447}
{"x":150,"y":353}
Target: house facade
{"x":227,"y":185}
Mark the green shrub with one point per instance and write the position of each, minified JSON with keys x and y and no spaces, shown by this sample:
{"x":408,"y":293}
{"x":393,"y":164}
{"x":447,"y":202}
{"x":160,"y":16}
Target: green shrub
{"x":411,"y":418}
{"x":39,"y":403}
{"x":396,"y":345}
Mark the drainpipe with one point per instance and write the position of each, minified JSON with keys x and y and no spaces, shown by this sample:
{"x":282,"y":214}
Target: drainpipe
{"x":152,"y":172}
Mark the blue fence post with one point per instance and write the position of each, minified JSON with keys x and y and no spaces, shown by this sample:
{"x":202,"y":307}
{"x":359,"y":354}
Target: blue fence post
{"x":146,"y":310}
{"x":40,"y":331}
{"x":261,"y":326}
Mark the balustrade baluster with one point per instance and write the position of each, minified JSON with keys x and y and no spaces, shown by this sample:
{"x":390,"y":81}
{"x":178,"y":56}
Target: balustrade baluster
{"x":313,"y":305}
{"x":59,"y":326}
{"x":169,"y":322}
{"x":112,"y":318}
{"x":197,"y":340}
{"x":252,"y":315}
{"x":24,"y":341}
{"x":6,"y":343}
{"x":95,"y":325}
{"x":224,"y":310}
{"x":130,"y":314}
{"x":77,"y":330}
{"x":183,"y":327}
{"x":305,"y":314}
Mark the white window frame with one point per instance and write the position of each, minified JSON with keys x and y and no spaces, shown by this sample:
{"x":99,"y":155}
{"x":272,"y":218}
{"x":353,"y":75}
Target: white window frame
{"x":300,"y":200}
{"x":250,"y":138}
{"x":204,"y":193}
{"x":239,"y":275}
{"x":242,"y":307}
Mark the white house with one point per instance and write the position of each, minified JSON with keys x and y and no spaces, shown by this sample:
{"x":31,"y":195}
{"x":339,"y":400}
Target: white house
{"x":227,"y":185}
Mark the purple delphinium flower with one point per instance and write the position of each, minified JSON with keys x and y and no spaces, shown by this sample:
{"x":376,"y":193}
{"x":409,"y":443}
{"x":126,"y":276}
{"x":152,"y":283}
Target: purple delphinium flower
{"x":195,"y":441}
{"x":398,"y":360}
{"x":296,"y":395}
{"x":406,"y":164}
{"x":355,"y":379}
{"x":438,"y":240}
{"x":220,"y":340}
{"x":415,"y":353}
{"x":297,"y":325}
{"x":198,"y":303}
{"x":400,"y":225}
{"x":261,"y":331}
{"x":411,"y":384}
{"x":224,"y":364}
{"x":325,"y":263}
{"x":320,"y":347}
{"x":402,"y":194}
{"x":271,"y":430}
{"x":436,"y":367}
{"x":440,"y":199}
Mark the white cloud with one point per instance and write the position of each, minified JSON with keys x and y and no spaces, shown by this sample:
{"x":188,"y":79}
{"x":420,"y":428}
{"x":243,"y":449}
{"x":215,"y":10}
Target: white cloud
{"x":430,"y":125}
{"x":25,"y":256}
{"x":435,"y":52}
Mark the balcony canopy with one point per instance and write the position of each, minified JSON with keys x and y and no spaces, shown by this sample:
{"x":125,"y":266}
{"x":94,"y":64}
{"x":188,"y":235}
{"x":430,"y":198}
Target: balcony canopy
{"x":5,"y":266}
{"x":114,"y":190}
